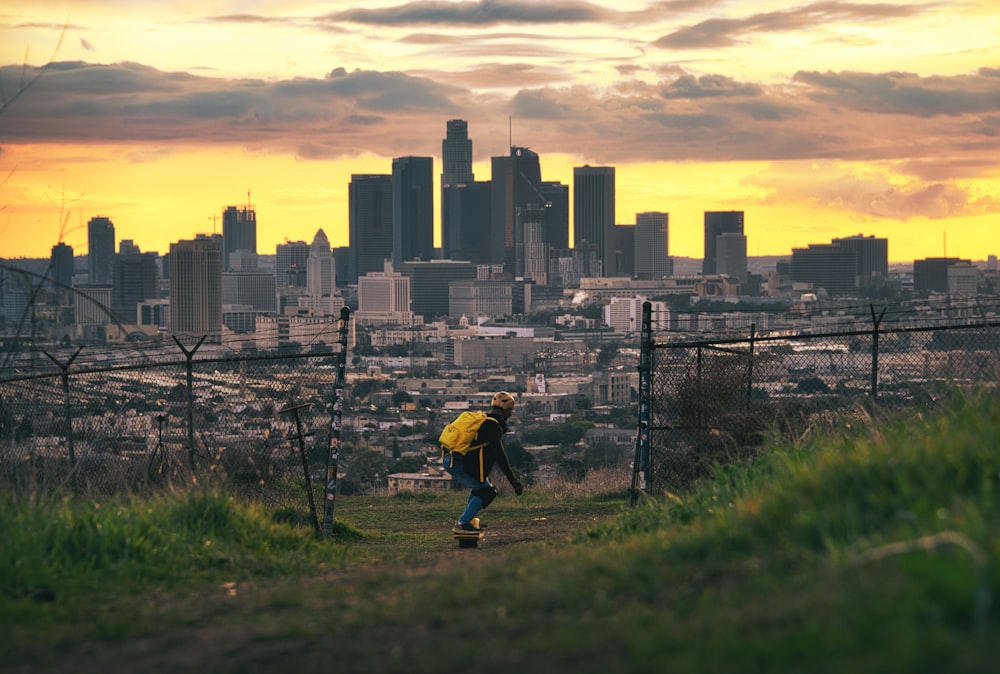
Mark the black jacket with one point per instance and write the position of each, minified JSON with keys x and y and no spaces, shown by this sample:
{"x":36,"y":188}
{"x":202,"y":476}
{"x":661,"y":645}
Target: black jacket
{"x":479,"y":462}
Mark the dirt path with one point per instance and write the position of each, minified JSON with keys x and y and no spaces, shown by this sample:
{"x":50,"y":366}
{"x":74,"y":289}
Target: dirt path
{"x":253,"y":627}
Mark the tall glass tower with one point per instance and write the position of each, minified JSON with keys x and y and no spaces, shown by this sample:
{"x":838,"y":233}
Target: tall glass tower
{"x":100,"y":251}
{"x":594,"y":212}
{"x":239,"y":232}
{"x":370,"y":222}
{"x":716,"y":223}
{"x":412,"y":209}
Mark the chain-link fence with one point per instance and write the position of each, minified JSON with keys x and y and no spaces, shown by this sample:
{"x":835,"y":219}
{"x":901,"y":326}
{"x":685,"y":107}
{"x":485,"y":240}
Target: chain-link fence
{"x":98,"y":428}
{"x":706,"y":401}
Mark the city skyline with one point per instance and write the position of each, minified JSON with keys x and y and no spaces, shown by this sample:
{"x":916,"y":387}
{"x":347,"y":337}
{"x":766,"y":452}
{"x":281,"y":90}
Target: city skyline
{"x":817,"y":120}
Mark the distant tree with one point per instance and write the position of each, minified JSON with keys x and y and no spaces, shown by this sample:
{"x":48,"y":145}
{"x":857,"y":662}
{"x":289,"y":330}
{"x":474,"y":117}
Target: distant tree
{"x":812,"y":385}
{"x":410,"y":464}
{"x":521,"y":460}
{"x":571,"y":468}
{"x":602,"y":454}
{"x":366,"y":471}
{"x":363,"y":388}
{"x":400,"y":397}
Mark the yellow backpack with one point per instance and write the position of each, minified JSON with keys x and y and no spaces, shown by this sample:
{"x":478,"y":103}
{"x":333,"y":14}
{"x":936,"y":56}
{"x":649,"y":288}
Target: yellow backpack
{"x":458,"y":436}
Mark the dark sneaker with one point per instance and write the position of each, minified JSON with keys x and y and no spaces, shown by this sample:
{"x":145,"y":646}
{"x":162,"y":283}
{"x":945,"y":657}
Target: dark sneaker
{"x":465,"y":526}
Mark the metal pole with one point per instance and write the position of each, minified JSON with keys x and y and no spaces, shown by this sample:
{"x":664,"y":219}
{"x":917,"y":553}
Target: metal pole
{"x":641,"y":478}
{"x":300,"y":436}
{"x":753,"y":334}
{"x":876,"y":321}
{"x":336,"y":423}
{"x":68,"y":410}
{"x":190,"y":396}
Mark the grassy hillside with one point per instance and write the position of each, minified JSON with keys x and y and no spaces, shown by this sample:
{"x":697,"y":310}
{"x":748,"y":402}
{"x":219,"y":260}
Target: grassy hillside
{"x":873,"y":548}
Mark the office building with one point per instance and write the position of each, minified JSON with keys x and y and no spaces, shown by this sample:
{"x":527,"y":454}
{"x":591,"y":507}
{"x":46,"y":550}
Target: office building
{"x":474,"y":298}
{"x":594,"y":213}
{"x":429,"y":282}
{"x":465,"y":222}
{"x":624,"y":314}
{"x":554,"y":196}
{"x":252,"y":289}
{"x":826,"y":266}
{"x":239,"y":232}
{"x":456,"y":154}
{"x":412,"y":209}
{"x":100,"y":251}
{"x":384,"y":298}
{"x":92,"y":305}
{"x":872,"y":255}
{"x":625,"y":249}
{"x":515,"y":186}
{"x":731,"y":255}
{"x":61,"y":267}
{"x":290,"y":263}
{"x":652,"y":256}
{"x":716,"y":223}
{"x":532,"y":260}
{"x":135,"y":280}
{"x":196,"y":289}
{"x":370,"y":223}
{"x":946,"y":275}
{"x":320,"y":272}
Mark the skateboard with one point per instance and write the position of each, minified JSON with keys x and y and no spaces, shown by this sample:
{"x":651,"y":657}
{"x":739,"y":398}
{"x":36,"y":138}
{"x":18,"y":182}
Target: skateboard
{"x":469,"y":539}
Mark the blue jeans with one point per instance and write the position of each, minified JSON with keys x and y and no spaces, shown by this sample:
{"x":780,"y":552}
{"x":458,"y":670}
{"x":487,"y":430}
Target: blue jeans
{"x":474,"y":504}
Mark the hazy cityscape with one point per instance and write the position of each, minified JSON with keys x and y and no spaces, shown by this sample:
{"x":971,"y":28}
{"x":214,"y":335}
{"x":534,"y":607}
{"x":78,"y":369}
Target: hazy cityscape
{"x":507,"y":257}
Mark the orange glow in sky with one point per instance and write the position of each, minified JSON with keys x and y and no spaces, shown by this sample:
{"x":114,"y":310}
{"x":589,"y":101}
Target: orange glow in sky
{"x":818,"y":120}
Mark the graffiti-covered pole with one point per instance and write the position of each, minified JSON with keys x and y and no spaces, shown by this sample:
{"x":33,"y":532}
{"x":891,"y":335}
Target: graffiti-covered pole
{"x":641,"y":467}
{"x":335,"y":425}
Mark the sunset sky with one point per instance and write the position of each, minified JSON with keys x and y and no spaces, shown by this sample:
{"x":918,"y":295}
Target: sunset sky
{"x":818,"y":119}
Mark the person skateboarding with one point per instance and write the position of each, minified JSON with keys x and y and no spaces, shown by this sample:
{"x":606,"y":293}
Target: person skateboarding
{"x":473,"y":469}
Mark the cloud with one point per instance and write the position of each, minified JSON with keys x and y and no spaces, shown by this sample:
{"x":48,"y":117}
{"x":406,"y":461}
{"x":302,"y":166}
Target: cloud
{"x":709,"y":86}
{"x":713,"y":33}
{"x":652,"y":115}
{"x":482,"y":13}
{"x":875,"y":192}
{"x":905,"y":93}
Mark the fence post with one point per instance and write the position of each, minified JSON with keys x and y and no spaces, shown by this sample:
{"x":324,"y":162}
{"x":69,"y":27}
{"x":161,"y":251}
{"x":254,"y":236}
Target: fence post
{"x":300,"y":437}
{"x":640,"y":464}
{"x":69,"y":411}
{"x":190,"y":397}
{"x":699,"y":418}
{"x":876,"y":321}
{"x":336,"y":423}
{"x":753,"y":334}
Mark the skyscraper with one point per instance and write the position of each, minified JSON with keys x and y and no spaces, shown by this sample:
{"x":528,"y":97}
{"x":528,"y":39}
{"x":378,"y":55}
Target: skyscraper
{"x":625,"y":249}
{"x":465,"y":203}
{"x":100,"y":251}
{"x":456,"y":154}
{"x":731,"y":255}
{"x":465,"y":222}
{"x":290,"y":261}
{"x":61,"y":270}
{"x":196,"y":289}
{"x":135,"y":281}
{"x":594,"y":212}
{"x":239,"y":232}
{"x":716,"y":223}
{"x":370,"y":223}
{"x":412,"y":209}
{"x":652,"y":256}
{"x":517,"y":187}
{"x":320,"y":273}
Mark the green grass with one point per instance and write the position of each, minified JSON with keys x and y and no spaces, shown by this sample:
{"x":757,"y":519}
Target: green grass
{"x":870,"y":548}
